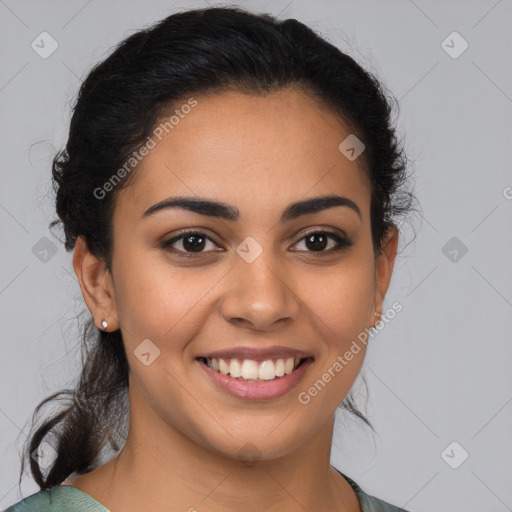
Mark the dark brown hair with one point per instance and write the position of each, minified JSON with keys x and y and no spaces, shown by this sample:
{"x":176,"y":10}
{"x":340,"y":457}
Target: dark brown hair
{"x":188,"y":53}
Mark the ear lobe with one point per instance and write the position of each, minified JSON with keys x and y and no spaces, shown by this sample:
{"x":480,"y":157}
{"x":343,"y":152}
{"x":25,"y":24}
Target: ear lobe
{"x":96,"y":285}
{"x":384,"y":264}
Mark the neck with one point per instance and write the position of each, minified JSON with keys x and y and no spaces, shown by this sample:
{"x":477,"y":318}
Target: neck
{"x":160,"y":468}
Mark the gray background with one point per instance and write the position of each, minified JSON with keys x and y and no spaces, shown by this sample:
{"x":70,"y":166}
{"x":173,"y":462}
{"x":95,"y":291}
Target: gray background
{"x":440,"y":371}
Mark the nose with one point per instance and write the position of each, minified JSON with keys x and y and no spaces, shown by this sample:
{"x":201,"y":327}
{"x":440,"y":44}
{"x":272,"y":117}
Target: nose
{"x":259,"y":295}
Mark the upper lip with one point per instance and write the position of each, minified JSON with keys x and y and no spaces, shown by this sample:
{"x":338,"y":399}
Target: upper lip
{"x":258,"y":353}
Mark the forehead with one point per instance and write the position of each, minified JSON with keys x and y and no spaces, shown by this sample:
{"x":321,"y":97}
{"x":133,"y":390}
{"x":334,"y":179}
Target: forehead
{"x":249,"y":150}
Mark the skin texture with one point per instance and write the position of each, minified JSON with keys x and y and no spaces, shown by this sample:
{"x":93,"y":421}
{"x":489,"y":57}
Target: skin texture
{"x":258,"y":154}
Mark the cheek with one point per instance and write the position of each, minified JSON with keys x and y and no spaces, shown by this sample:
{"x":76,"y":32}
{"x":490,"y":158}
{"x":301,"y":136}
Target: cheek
{"x":158,"y":301}
{"x":342,"y":302}
{"x":341,"y":305}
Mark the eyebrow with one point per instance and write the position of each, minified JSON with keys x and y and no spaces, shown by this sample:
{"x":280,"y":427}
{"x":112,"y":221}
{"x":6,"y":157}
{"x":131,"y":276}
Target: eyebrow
{"x":211,"y":208}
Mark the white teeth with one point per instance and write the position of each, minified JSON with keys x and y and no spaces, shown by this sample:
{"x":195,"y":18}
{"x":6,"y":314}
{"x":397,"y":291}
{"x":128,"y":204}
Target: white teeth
{"x":253,"y":370}
{"x":267,"y":370}
{"x":223,"y":367}
{"x":235,"y":370}
{"x":279,"y":367}
{"x":249,"y":369}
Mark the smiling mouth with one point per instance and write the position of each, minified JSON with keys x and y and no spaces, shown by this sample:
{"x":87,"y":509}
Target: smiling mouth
{"x":252,"y":370}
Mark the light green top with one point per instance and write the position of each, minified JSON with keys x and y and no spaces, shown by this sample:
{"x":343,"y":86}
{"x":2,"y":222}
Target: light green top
{"x":65,"y":498}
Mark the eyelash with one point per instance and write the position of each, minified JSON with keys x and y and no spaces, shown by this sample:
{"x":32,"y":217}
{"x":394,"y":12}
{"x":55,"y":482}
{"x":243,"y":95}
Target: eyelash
{"x":342,"y":243}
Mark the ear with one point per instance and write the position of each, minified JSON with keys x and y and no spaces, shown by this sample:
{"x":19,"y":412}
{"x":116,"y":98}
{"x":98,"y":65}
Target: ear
{"x":384,"y":264}
{"x":96,"y":284}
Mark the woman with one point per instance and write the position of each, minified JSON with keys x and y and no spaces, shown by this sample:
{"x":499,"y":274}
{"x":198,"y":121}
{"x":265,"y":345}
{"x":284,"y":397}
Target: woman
{"x":230,"y":188}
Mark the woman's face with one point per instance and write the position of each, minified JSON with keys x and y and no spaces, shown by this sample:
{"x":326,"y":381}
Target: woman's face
{"x":251,"y":284}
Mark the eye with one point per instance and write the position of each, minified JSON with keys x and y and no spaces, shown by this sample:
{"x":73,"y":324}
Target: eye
{"x":318,"y":241}
{"x":190,"y":243}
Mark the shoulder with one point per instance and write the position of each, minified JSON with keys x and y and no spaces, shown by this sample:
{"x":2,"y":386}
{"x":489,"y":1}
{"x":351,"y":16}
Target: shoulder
{"x":58,"y":499}
{"x":38,"y":501}
{"x":371,"y":503}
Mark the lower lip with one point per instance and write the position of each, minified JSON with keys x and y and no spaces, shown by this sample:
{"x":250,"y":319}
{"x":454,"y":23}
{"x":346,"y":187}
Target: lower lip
{"x":263,"y":390}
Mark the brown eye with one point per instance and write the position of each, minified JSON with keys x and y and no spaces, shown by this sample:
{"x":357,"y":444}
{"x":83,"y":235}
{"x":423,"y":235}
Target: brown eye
{"x":194,"y":243}
{"x":189,"y":243}
{"x":318,"y":241}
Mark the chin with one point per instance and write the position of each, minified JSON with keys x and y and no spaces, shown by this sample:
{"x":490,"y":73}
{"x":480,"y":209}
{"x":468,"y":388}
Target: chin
{"x":250,"y":447}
